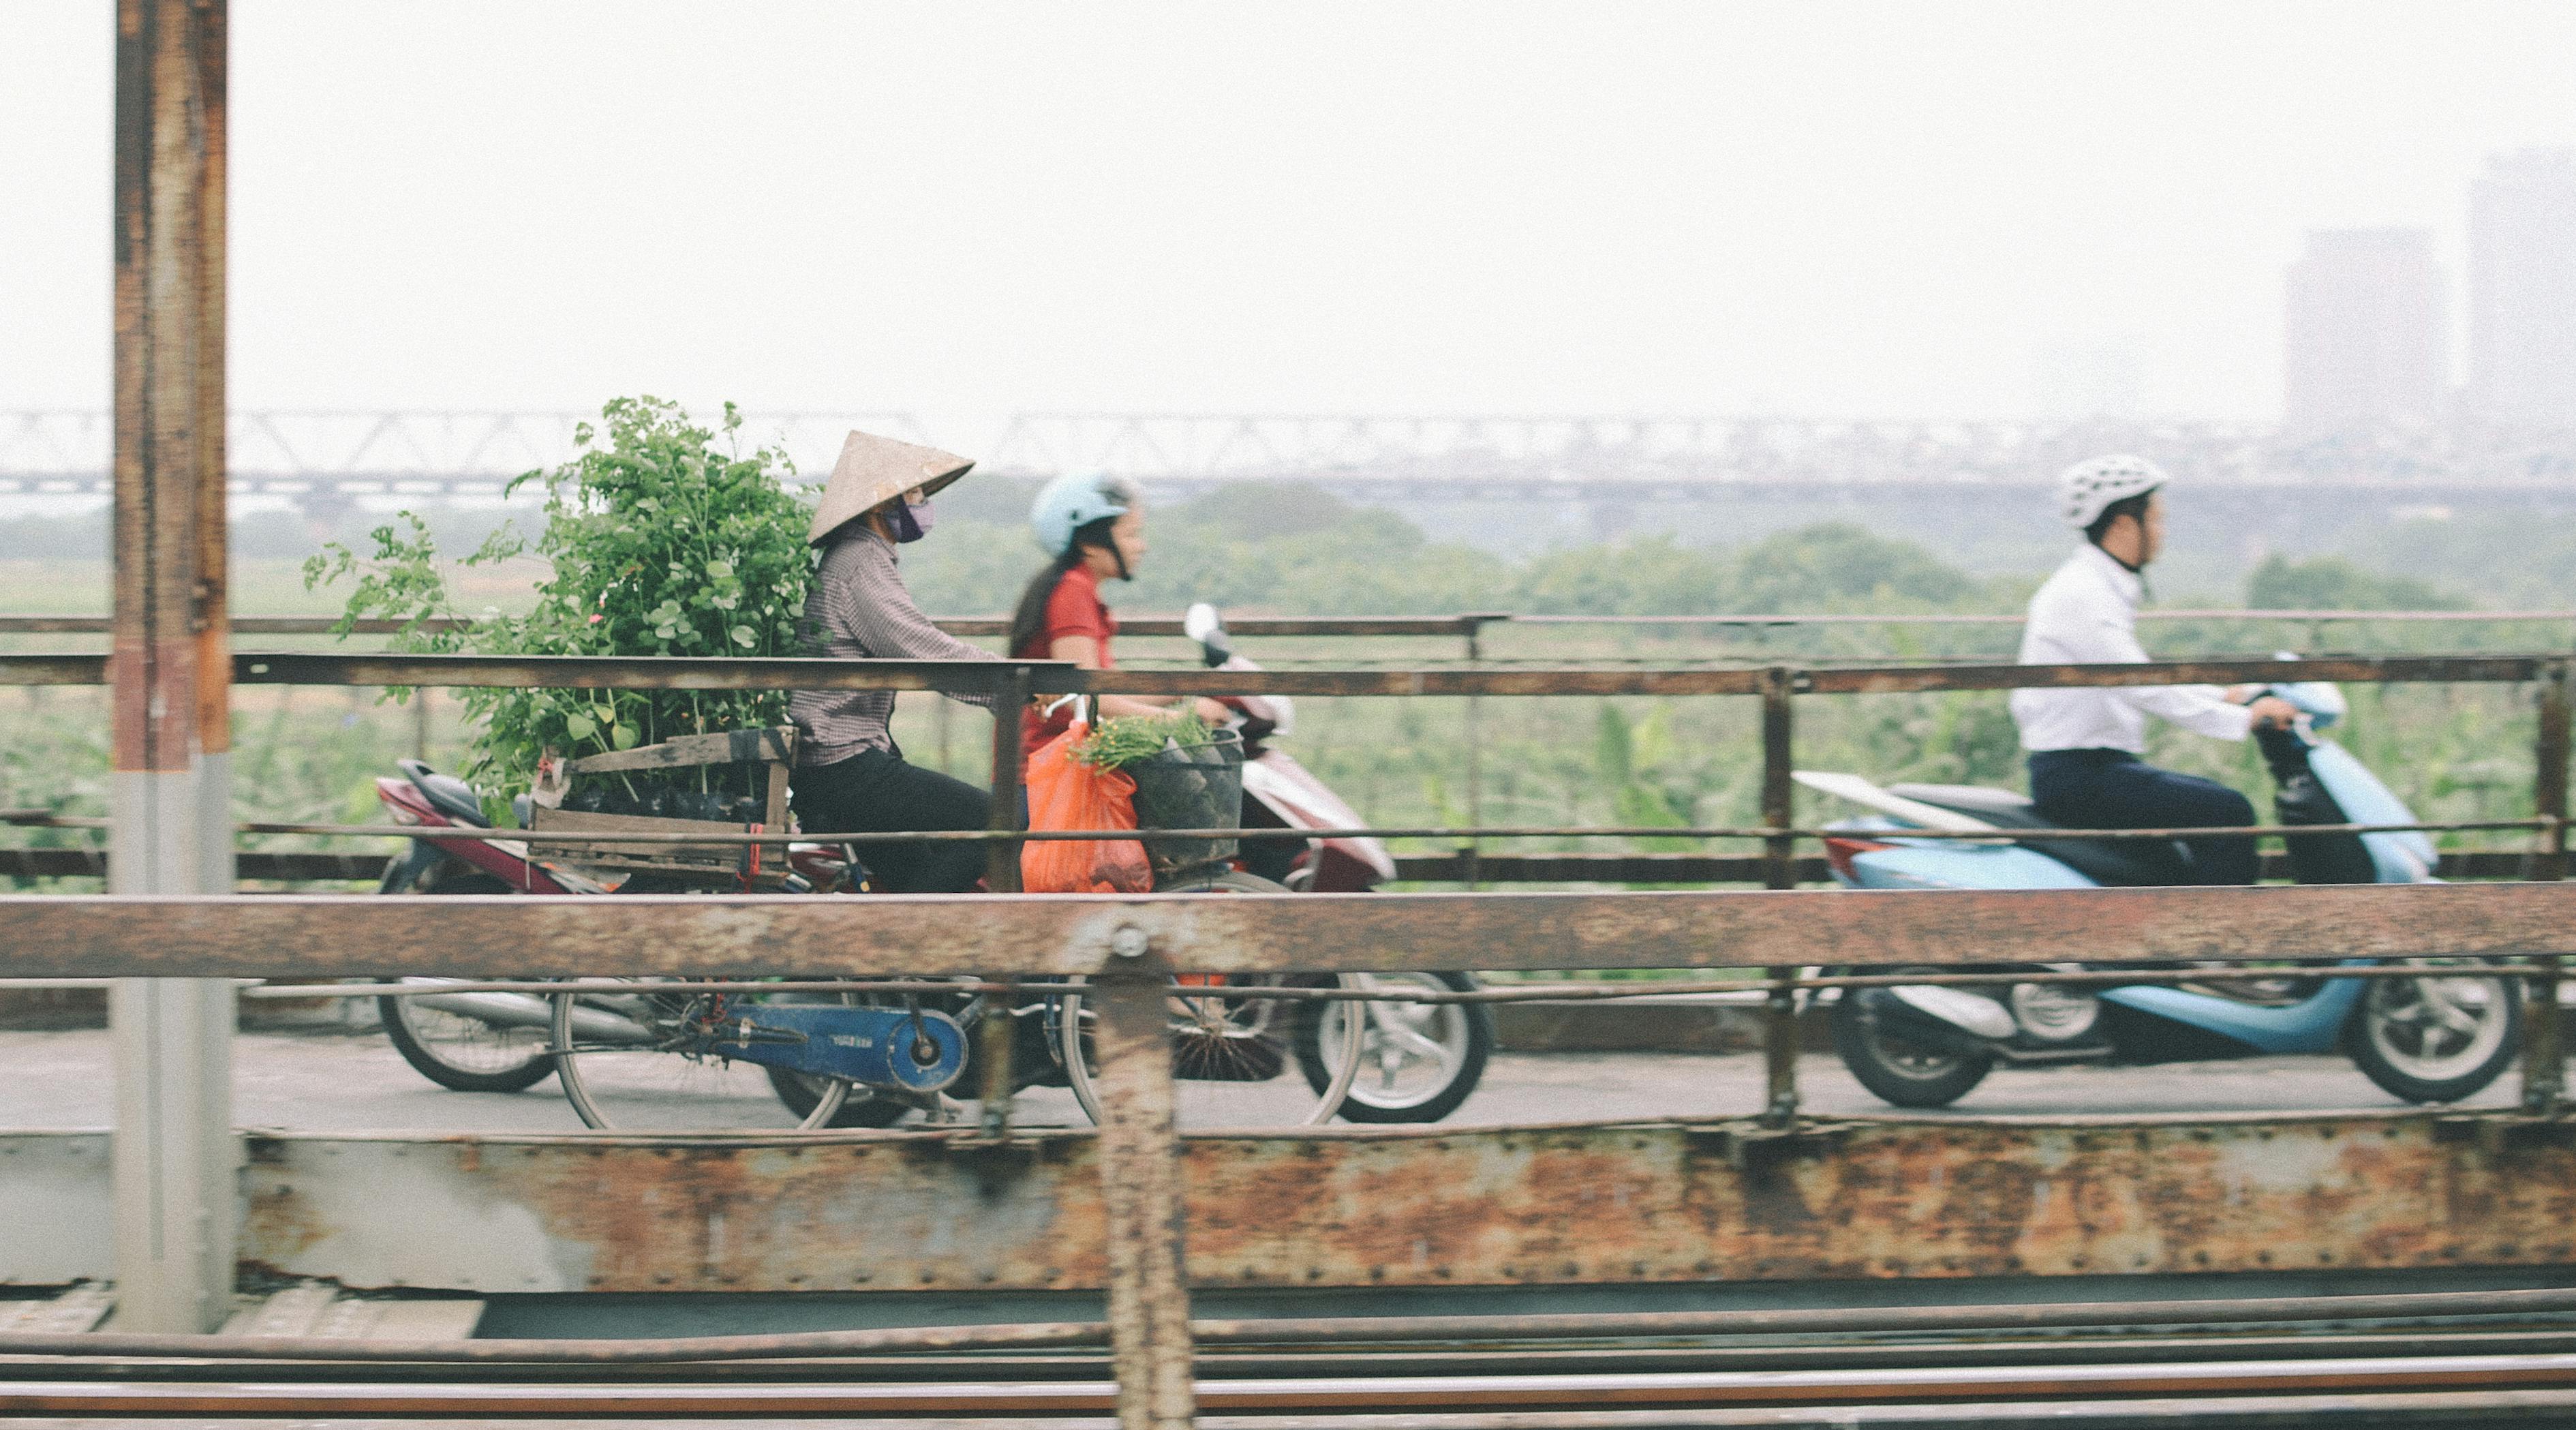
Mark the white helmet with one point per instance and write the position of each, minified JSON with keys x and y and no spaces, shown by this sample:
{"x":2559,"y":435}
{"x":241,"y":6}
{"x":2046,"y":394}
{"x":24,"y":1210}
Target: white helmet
{"x":2083,"y":490}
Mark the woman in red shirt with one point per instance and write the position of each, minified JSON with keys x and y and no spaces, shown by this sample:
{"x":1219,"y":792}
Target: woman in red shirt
{"x":1093,"y":525}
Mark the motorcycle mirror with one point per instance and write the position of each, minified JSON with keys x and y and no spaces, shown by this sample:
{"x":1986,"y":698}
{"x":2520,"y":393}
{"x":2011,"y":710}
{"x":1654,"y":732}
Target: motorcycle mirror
{"x":1201,"y":623}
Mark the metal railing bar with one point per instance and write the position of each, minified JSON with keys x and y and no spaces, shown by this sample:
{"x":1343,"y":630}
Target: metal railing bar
{"x":1364,"y":626}
{"x":45,"y":820}
{"x":983,"y":677}
{"x":1518,"y":993}
{"x":756,"y":936}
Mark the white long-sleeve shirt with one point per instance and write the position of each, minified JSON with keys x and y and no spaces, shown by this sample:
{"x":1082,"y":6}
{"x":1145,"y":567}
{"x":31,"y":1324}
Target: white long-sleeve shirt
{"x":2087,"y":614}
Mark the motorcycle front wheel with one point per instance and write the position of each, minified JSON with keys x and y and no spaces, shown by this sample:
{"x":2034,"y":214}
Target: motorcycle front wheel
{"x":1418,"y":1061}
{"x":2439,"y":1038}
{"x":1902,"y":1070}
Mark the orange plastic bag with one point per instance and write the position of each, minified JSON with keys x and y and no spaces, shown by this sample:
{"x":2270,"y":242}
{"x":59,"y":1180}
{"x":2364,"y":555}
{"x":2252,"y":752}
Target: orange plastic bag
{"x":1065,"y":793}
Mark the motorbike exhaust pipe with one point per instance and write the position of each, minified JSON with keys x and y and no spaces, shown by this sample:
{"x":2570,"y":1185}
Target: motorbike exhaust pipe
{"x":520,"y":1010}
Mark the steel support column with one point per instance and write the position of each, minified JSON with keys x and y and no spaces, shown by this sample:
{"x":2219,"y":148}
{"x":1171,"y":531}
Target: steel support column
{"x":175,"y":1158}
{"x":1002,"y":860}
{"x":1779,"y":871}
{"x":1140,"y":1189}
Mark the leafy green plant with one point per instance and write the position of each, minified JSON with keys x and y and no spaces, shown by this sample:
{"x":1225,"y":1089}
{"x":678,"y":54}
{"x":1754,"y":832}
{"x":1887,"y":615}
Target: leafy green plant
{"x":1122,"y":740}
{"x":659,"y":542}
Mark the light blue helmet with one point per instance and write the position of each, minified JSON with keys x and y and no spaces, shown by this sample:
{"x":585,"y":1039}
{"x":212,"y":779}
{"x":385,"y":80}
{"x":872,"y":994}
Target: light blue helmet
{"x":1076,"y":500}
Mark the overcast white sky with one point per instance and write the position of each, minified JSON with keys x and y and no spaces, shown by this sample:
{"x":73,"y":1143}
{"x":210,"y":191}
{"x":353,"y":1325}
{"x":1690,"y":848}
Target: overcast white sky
{"x":969,"y":209}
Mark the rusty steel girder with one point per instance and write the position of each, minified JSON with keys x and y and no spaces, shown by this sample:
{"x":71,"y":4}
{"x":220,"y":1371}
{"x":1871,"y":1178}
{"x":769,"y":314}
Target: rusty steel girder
{"x":1653,"y":1202}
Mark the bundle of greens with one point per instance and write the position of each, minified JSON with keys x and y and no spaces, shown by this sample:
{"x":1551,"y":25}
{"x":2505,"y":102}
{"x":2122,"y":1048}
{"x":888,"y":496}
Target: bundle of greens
{"x":1122,"y":740}
{"x":661,"y":542}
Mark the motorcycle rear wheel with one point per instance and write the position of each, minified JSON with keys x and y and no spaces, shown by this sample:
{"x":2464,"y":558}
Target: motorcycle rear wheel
{"x":451,"y":1049}
{"x":1898,"y":1069}
{"x":2435,"y":1039}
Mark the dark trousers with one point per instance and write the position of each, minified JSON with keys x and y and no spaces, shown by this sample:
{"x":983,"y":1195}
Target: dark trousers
{"x":2113,"y":789}
{"x":875,"y":790}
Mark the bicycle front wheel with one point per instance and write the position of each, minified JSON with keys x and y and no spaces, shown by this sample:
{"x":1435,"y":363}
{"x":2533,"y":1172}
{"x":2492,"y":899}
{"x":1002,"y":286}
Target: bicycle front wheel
{"x":638,"y":1062}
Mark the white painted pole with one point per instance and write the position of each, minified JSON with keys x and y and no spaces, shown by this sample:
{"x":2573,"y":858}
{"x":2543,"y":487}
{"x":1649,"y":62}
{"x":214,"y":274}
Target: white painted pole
{"x":176,"y":1159}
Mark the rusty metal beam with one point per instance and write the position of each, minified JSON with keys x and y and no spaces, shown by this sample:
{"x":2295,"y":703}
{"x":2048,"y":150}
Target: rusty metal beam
{"x":344,"y":935}
{"x":1641,"y":1202}
{"x":677,"y":673}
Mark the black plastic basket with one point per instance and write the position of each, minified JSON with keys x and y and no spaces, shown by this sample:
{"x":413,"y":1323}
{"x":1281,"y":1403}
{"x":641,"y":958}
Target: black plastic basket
{"x":1190,"y":787}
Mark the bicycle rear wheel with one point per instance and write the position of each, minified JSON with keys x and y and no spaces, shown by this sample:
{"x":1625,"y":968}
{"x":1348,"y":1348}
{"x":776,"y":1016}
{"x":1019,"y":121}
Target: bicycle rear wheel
{"x":635,"y":1062}
{"x":1234,"y":1054}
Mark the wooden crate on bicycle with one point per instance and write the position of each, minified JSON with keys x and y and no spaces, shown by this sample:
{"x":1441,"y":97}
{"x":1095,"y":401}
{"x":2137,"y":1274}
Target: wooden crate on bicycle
{"x":731,"y":781}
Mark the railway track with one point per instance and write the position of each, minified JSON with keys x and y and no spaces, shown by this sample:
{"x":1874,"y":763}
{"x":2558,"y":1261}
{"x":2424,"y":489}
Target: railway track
{"x":2506,"y":1359}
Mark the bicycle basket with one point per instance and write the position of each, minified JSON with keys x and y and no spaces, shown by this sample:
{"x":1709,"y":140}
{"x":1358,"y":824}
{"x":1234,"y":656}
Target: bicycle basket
{"x":1190,"y":787}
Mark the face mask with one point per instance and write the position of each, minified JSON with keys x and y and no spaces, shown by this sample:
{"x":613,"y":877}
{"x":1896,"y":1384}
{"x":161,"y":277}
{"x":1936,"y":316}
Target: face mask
{"x":911,"y":520}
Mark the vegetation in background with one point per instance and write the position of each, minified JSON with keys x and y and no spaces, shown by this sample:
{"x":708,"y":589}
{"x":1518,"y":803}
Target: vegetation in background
{"x":2333,"y":583}
{"x":2453,"y":752}
{"x":656,"y":542}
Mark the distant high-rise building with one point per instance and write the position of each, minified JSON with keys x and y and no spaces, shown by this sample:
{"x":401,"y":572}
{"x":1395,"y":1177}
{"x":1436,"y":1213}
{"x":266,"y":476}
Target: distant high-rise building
{"x":2522,"y":290}
{"x":2364,"y":342}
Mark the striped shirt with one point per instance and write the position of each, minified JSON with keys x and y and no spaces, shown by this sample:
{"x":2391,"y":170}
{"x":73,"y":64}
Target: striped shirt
{"x":858,"y":610}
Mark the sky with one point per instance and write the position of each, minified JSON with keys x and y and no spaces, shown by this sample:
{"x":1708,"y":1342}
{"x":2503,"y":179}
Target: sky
{"x":966,"y":210}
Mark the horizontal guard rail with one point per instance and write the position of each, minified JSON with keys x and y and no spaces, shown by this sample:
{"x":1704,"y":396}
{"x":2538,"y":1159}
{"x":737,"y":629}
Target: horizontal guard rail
{"x":1410,"y":993}
{"x":980,"y":677}
{"x":43,"y":819}
{"x":306,"y":936}
{"x":1366,"y":626}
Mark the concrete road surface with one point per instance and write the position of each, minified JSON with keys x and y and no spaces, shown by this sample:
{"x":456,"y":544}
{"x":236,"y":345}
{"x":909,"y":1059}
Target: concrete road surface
{"x":338,"y":1082}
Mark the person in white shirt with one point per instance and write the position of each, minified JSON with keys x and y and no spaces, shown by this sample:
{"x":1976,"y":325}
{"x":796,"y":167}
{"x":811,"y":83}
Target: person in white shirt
{"x":2085,"y":744}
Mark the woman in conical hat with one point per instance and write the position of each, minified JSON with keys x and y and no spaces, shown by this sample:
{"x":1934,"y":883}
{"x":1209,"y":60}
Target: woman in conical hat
{"x":851,"y":777}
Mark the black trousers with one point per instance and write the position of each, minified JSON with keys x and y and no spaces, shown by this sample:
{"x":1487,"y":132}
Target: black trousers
{"x":2113,"y":789}
{"x":876,"y":790}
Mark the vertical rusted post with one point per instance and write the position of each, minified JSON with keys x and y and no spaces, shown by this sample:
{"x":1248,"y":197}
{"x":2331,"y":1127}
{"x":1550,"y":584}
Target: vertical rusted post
{"x":1779,"y":871}
{"x":420,"y":723}
{"x":993,"y":1048}
{"x":2544,"y":1060}
{"x":1140,"y":1188}
{"x":175,"y":1158}
{"x":1474,"y":848}
{"x":2549,"y":772}
{"x":2544,"y":1056}
{"x":1002,"y":861}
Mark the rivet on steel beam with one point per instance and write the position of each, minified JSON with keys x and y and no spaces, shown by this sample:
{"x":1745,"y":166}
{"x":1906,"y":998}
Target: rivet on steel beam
{"x":1129,"y":942}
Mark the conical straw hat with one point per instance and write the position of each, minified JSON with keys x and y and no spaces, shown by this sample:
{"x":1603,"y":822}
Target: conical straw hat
{"x":874,"y":470}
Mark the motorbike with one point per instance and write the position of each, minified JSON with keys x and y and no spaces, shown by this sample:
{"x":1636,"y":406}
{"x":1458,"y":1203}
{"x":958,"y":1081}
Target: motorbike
{"x":1419,"y":1061}
{"x":2434,"y":1039}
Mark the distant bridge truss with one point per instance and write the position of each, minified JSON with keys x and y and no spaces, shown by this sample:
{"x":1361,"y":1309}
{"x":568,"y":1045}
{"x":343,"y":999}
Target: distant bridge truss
{"x":322,"y":457}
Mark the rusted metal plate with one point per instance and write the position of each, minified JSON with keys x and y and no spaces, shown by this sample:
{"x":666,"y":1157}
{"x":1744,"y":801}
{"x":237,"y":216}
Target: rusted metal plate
{"x":1644,"y":1202}
{"x":1652,"y":1202}
{"x":350,"y":935}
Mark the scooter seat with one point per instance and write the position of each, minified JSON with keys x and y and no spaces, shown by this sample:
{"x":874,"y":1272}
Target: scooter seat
{"x":2127,"y":863}
{"x":447,"y":794}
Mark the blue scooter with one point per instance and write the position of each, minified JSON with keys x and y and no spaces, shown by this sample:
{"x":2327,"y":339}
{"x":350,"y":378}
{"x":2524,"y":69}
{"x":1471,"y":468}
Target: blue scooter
{"x":2433,"y":1039}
